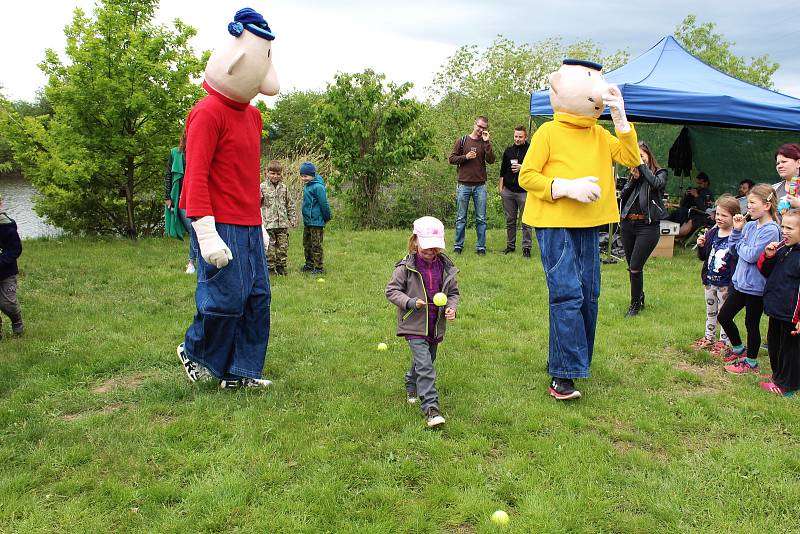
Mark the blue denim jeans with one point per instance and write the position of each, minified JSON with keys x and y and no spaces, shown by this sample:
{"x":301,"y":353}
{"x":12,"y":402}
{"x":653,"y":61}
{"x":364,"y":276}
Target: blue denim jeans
{"x":571,"y":262}
{"x":230,"y":331}
{"x":478,"y":195}
{"x":192,"y":237}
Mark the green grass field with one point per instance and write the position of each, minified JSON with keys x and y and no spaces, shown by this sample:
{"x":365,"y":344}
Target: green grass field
{"x":101,"y":432}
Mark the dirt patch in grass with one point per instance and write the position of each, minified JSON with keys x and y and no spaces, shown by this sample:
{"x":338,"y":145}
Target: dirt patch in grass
{"x":125,"y":382}
{"x":108,"y":409}
{"x":464,"y":528}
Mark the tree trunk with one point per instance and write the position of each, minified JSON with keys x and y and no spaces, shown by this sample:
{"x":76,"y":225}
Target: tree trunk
{"x":131,"y":230}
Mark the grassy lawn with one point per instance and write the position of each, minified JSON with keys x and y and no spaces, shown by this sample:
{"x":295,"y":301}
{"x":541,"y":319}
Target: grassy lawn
{"x":101,"y":432}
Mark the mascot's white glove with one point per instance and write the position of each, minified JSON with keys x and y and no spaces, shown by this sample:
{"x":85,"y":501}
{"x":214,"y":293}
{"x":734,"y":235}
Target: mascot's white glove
{"x":265,"y":235}
{"x":613,"y":99}
{"x":581,"y":189}
{"x":212,"y":247}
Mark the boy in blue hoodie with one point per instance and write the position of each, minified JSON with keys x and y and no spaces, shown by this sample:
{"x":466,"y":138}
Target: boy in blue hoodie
{"x":10,"y":250}
{"x":316,"y":213}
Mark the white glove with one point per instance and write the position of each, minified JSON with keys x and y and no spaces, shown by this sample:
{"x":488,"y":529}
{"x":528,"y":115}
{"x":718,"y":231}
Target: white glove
{"x":265,"y":235}
{"x":613,"y":99}
{"x":581,"y":189}
{"x":212,"y":247}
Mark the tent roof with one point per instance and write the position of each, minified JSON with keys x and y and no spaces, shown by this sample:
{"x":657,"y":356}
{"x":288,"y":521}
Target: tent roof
{"x":668,"y":84}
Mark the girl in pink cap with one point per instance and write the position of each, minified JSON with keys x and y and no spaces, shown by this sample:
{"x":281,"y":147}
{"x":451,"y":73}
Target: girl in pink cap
{"x":417,"y":280}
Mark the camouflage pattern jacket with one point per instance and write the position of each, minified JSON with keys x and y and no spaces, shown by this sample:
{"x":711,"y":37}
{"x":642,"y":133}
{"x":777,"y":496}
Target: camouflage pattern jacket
{"x":277,"y":208}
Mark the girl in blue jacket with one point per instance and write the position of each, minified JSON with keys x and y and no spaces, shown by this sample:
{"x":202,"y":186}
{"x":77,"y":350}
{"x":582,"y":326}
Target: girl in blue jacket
{"x":749,"y":239}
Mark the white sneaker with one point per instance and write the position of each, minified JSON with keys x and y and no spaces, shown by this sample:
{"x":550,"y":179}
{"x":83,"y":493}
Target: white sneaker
{"x":188,"y":365}
{"x":434,"y":418}
{"x":190,"y":268}
{"x":245,"y":383}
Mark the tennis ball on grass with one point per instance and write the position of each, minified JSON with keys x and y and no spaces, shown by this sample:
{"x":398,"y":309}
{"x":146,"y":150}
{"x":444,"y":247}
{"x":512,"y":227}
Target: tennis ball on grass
{"x":500,"y":518}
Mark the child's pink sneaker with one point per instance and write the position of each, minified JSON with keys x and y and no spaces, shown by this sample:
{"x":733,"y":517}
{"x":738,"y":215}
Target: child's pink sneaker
{"x":702,"y":344}
{"x":730,"y":355}
{"x":775,"y":389}
{"x":719,"y":348}
{"x":742,"y":368}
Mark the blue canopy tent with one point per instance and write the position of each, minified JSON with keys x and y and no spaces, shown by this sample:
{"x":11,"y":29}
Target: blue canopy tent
{"x":667,"y":84}
{"x":732,"y":127}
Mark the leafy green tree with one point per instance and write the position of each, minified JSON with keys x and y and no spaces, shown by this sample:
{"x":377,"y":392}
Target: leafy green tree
{"x":710,"y":46}
{"x":38,"y":107}
{"x":292,"y":124}
{"x":118,"y":102}
{"x":371,"y":131}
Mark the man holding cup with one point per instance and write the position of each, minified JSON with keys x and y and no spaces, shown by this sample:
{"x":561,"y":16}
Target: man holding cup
{"x":513,"y":195}
{"x":470,"y":155}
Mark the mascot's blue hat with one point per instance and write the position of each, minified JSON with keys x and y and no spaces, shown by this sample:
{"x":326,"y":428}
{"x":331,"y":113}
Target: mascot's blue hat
{"x":251,"y":20}
{"x":591,"y":64}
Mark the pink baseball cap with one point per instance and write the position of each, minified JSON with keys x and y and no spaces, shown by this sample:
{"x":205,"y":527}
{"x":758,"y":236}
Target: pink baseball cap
{"x":429,"y":232}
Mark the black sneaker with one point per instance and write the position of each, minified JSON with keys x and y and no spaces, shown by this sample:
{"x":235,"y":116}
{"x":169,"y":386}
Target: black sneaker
{"x":433,"y":417}
{"x":526,"y":253}
{"x":457,"y":250}
{"x":281,"y":270}
{"x":564,"y":389}
{"x":481,"y":252}
{"x":509,"y":250}
{"x":411,"y":396}
{"x":306,"y":268}
{"x":317,"y":271}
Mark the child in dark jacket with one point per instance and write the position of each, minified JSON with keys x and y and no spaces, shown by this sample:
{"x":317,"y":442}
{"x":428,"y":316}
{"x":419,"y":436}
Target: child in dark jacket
{"x":780,"y":264}
{"x":316,"y":213}
{"x":10,"y":250}
{"x":419,"y":283}
{"x":719,"y":262}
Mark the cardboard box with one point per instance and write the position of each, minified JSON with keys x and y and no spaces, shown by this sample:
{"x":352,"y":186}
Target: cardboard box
{"x":666,"y":243}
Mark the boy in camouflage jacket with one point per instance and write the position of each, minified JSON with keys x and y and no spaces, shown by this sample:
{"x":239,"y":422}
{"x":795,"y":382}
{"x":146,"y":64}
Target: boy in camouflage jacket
{"x":278,"y":213}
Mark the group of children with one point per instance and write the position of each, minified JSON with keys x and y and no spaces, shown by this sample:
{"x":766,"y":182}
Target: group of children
{"x":753,"y":265}
{"x":278,"y":213}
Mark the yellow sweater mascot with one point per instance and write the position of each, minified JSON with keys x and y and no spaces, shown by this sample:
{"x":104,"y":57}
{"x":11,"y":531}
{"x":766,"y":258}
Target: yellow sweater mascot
{"x":568,"y":173}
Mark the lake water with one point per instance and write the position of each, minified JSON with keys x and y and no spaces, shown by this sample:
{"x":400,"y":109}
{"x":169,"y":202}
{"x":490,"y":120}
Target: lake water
{"x":18,"y":203}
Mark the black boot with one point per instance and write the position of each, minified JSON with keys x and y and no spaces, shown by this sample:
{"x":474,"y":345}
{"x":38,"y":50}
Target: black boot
{"x":637,"y":294}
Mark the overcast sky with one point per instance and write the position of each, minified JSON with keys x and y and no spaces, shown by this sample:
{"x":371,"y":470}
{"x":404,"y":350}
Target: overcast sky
{"x":409,"y":41}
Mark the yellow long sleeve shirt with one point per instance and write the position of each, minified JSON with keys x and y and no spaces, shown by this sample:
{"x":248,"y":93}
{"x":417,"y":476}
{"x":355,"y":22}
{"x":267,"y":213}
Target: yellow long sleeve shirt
{"x":571,"y":147}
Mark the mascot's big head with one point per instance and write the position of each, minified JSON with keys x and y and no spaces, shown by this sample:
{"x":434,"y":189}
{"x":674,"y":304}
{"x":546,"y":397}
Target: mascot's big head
{"x":242,"y":68}
{"x":577,"y":88}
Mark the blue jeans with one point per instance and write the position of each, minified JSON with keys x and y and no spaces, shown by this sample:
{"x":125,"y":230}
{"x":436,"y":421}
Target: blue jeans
{"x":230,"y":331}
{"x":571,"y":262}
{"x":478,"y":195}
{"x":192,"y":238}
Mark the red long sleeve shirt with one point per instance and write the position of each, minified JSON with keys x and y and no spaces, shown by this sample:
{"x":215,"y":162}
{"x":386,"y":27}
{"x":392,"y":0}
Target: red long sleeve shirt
{"x":223,"y":161}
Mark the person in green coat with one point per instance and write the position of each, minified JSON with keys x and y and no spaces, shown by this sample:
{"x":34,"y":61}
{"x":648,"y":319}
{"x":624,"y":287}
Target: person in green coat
{"x":176,"y":224}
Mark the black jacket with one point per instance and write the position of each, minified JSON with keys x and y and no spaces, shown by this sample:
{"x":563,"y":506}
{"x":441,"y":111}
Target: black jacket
{"x":511,"y":179}
{"x":650,"y":190}
{"x":10,"y":246}
{"x":782,"y":272}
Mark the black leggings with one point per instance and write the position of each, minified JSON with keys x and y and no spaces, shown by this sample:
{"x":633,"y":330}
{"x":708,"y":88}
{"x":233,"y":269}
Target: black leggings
{"x":639,"y":240}
{"x":753,"y":308}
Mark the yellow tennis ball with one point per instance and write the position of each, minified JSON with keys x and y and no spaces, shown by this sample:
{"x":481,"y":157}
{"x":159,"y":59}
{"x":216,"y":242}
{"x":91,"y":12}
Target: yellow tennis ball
{"x":382,"y":346}
{"x":500,"y":518}
{"x":440,"y":299}
{"x":320,"y":280}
